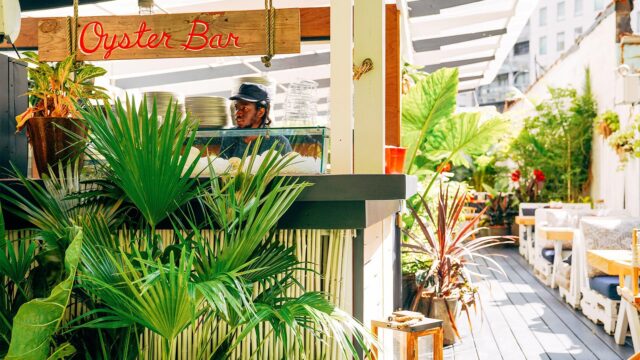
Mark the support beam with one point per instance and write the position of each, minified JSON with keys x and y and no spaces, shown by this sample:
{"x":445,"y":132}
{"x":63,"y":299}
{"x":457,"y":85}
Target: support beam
{"x":369,"y":42}
{"x":393,"y":77}
{"x":342,"y":92}
{"x":436,"y":43}
{"x":433,"y":7}
{"x":30,"y":5}
{"x":469,"y":78}
{"x":432,"y":68}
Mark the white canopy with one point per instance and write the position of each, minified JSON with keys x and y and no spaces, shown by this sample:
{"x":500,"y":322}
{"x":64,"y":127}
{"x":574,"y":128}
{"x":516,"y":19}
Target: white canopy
{"x":474,"y":35}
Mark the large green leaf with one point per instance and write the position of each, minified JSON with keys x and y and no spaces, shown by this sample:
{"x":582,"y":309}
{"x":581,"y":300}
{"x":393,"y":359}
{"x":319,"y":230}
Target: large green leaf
{"x":143,"y":151}
{"x":429,"y":102}
{"x":464,"y":135}
{"x":38,"y":320}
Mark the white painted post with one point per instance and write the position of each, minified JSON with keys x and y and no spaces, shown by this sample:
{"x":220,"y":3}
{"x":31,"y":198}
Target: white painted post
{"x":369,"y":42}
{"x":341,"y":98}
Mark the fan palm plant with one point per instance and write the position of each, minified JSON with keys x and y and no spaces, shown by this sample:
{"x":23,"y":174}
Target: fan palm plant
{"x":233,"y":285}
{"x":143,"y":154}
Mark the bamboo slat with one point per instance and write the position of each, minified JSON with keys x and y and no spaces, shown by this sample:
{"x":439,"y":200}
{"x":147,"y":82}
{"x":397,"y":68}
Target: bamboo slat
{"x":323,"y":251}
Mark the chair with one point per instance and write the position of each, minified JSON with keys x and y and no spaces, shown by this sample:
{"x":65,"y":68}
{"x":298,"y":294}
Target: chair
{"x":545,"y":249}
{"x":600,"y":298}
{"x":525,"y":244}
{"x":630,"y":300}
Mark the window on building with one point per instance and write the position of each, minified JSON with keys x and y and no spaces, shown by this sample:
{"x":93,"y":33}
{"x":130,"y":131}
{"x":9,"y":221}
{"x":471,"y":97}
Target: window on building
{"x":598,"y":4}
{"x":560,"y":41}
{"x":577,"y":7}
{"x":577,"y":32}
{"x":502,"y":80}
{"x":543,"y":46}
{"x":521,"y":48}
{"x":560,"y":11}
{"x":521,"y":80}
{"x":542,"y":16}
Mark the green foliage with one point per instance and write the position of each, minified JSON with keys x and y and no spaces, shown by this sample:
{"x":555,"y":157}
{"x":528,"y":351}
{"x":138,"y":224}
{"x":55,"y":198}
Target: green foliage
{"x":231,"y":284}
{"x":464,"y":136}
{"x":434,"y":135}
{"x":56,"y":88}
{"x":486,"y":173}
{"x":38,"y":320}
{"x":558,"y":141}
{"x":428,"y":103}
{"x":607,"y":123}
{"x":143,"y":154}
{"x":502,"y":209}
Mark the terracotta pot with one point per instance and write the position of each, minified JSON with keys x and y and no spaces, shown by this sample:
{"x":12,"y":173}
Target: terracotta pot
{"x":53,"y":140}
{"x":498,"y":230}
{"x":440,"y":310}
{"x":604,"y":129}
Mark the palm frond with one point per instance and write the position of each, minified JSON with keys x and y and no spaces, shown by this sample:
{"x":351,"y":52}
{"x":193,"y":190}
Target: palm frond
{"x":144,"y":154}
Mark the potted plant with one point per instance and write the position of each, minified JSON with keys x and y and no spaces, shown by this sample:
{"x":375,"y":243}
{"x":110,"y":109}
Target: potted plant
{"x":500,"y":214}
{"x":451,"y":246}
{"x":527,"y":189}
{"x":622,"y":142}
{"x":55,"y":90}
{"x":607,"y":123}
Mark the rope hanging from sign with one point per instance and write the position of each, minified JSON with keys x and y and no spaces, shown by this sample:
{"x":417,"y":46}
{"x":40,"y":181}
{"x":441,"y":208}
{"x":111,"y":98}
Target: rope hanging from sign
{"x":270,"y":29}
{"x":72,"y":26}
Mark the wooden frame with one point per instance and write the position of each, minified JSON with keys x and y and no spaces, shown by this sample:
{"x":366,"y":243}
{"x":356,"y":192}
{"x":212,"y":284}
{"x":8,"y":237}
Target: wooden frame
{"x":436,"y":330}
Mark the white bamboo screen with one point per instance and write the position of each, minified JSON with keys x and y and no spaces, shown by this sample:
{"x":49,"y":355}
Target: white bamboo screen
{"x":327,"y":252}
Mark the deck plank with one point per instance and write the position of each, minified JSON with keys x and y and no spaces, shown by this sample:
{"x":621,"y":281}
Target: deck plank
{"x":526,"y":338}
{"x":521,"y":318}
{"x":506,"y":344}
{"x":601,"y":344}
{"x":533,"y":293}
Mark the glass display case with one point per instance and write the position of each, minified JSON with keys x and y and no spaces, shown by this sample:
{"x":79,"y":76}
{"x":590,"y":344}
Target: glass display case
{"x":310,"y":143}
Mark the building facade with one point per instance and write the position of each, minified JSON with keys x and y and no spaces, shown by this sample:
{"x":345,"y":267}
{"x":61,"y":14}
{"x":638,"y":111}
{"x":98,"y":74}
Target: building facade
{"x":553,"y":28}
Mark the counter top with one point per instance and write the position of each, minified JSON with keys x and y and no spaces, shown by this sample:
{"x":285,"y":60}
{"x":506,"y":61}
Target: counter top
{"x":333,"y":202}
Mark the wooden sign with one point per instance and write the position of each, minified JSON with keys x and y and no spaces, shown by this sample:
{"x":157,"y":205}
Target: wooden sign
{"x":233,"y":33}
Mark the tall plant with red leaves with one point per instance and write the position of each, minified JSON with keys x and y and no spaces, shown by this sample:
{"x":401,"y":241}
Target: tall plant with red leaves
{"x":452,"y":246}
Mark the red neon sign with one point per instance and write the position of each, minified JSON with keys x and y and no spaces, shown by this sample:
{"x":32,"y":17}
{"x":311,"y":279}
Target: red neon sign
{"x":94,"y":38}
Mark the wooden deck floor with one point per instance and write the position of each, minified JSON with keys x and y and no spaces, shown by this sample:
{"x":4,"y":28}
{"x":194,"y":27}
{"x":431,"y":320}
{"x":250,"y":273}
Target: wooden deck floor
{"x":523,"y":319}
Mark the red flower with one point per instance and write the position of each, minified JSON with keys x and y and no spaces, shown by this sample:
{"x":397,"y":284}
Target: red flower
{"x":539,"y":175}
{"x":515,"y":176}
{"x":444,"y":167}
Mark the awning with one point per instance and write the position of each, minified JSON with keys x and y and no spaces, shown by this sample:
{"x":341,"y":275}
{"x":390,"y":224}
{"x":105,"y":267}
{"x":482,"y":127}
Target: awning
{"x":474,"y":35}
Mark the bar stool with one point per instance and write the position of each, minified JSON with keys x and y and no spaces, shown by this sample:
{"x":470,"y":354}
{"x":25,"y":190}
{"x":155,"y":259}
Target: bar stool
{"x":423,"y":328}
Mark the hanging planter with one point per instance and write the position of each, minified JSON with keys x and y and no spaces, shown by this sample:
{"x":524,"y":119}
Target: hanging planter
{"x":56,"y":89}
{"x":55,"y":139}
{"x":607,"y":123}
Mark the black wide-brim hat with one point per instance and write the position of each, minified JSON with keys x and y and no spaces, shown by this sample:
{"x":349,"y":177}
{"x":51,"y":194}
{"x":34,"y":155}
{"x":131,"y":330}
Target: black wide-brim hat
{"x":252,"y":92}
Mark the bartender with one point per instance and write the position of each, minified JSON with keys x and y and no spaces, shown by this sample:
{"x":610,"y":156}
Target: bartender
{"x":252,"y":104}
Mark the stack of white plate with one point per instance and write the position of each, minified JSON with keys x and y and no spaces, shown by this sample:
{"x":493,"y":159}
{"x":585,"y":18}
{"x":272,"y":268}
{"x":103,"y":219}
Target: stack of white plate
{"x":210,"y":111}
{"x":163,"y":99}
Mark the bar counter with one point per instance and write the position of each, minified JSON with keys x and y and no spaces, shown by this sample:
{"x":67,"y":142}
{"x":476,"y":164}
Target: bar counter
{"x":336,"y":204}
{"x":333,"y":202}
